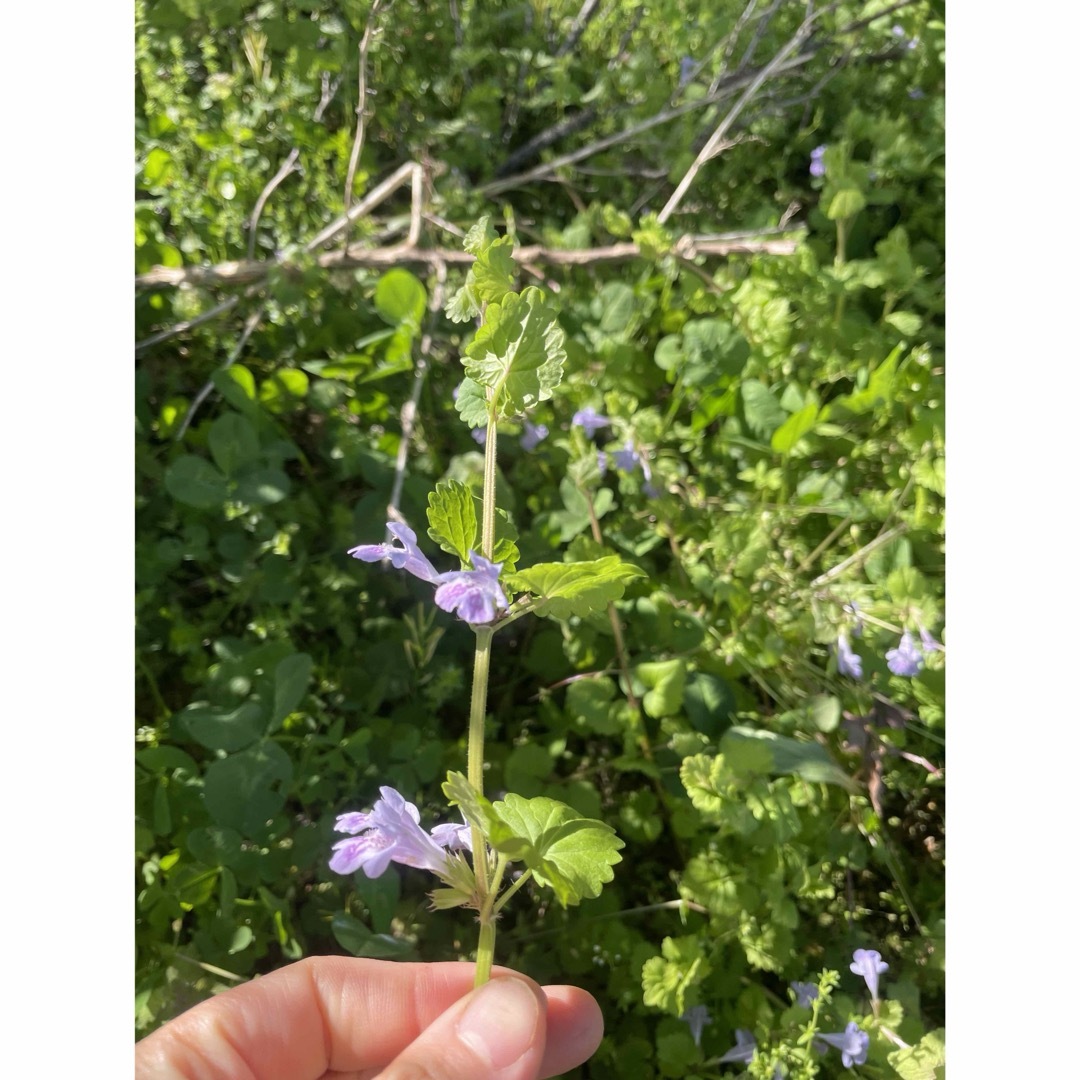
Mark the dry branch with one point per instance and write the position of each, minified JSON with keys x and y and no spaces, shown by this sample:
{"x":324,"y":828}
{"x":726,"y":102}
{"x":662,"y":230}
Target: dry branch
{"x":245,"y":272}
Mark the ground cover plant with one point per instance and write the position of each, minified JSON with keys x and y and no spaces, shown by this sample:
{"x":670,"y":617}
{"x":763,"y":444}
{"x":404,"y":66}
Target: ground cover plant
{"x":629,"y":325}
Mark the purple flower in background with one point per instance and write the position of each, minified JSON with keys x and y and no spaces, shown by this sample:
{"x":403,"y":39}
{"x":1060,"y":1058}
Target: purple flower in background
{"x":389,"y":833}
{"x":697,"y":1017}
{"x":853,"y":1044}
{"x":627,"y":459}
{"x":817,"y":161}
{"x":407,"y":557}
{"x":743,"y":1050}
{"x":589,"y":419}
{"x":868,"y":964}
{"x":534,"y":435}
{"x":687,"y":67}
{"x":601,"y":461}
{"x":476,"y":594}
{"x":929,"y":642}
{"x":898,"y":31}
{"x":480,"y":435}
{"x":847,"y":662}
{"x":905,"y":659}
{"x":916,"y":94}
{"x":805,"y":993}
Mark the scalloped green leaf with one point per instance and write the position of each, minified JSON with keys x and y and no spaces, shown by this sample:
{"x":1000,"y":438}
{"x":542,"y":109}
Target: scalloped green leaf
{"x":574,"y":855}
{"x":565,"y":589}
{"x":452,"y":520}
{"x":471,"y":403}
{"x":519,"y":351}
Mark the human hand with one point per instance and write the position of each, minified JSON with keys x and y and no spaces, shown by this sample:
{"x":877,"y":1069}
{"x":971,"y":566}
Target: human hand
{"x":341,"y":1018}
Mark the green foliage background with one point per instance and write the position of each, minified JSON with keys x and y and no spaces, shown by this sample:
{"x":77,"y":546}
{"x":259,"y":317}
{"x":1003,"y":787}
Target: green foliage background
{"x":790,"y":406}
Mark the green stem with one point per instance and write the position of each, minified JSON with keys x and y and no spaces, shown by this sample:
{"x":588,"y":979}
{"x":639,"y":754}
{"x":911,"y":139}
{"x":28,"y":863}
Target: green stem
{"x":510,"y":892}
{"x":487,"y":537}
{"x":477,"y":714}
{"x":485,"y":952}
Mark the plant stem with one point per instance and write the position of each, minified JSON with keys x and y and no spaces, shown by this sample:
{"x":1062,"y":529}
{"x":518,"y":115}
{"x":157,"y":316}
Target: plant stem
{"x":485,"y":952}
{"x":841,"y":257}
{"x":485,"y":888}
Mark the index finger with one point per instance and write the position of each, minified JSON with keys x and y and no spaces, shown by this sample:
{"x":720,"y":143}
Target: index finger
{"x":339,"y":1014}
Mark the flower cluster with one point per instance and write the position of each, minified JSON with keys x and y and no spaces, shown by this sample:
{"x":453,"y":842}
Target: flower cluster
{"x":628,"y":459}
{"x":475,"y":594}
{"x":391,"y":832}
{"x":905,"y":659}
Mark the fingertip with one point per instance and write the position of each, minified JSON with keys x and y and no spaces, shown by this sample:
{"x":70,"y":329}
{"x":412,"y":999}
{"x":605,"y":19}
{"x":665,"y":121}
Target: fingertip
{"x":575,"y":1027}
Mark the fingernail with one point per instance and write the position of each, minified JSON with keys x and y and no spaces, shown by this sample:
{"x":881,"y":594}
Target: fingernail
{"x":500,"y":1023}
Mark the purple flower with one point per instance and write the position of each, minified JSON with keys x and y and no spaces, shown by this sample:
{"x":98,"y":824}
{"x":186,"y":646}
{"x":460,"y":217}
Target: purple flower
{"x":627,"y":459}
{"x":697,"y":1017}
{"x":916,"y":94}
{"x":480,"y":435}
{"x":853,"y":1044}
{"x":589,"y":419}
{"x":687,"y":67}
{"x":601,"y":461}
{"x":453,"y":837}
{"x":898,"y":31}
{"x":868,"y":964}
{"x":534,"y":435}
{"x":905,"y":659}
{"x":476,"y":594}
{"x":743,"y":1050}
{"x":817,"y":162}
{"x":389,"y":833}
{"x":929,"y":642}
{"x":847,"y":662}
{"x":407,"y":557}
{"x":805,"y":993}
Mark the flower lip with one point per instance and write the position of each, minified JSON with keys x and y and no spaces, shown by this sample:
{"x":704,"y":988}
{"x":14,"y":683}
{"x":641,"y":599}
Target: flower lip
{"x":697,"y":1016}
{"x":475,"y":595}
{"x":805,"y":993}
{"x":868,"y":964}
{"x":853,"y":1044}
{"x":408,"y":557}
{"x":390,"y":832}
{"x":744,"y":1048}
{"x":848,"y":662}
{"x":905,"y":659}
{"x":589,"y":419}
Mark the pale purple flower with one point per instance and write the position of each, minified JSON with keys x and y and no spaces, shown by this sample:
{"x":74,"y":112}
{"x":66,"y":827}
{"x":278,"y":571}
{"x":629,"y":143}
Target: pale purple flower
{"x":601,"y":461}
{"x":905,"y":659}
{"x":898,"y":31}
{"x":817,"y":162}
{"x":687,"y":67}
{"x":697,"y":1017}
{"x":534,"y":435}
{"x":743,"y":1050}
{"x":389,"y":833}
{"x":453,"y":837}
{"x":407,"y":557}
{"x":853,"y":1044}
{"x":476,"y":594}
{"x":868,"y":964}
{"x":805,"y":993}
{"x":479,"y":434}
{"x":916,"y":94}
{"x":847,"y":662}
{"x":589,"y":419}
{"x":929,"y":642}
{"x":627,"y":459}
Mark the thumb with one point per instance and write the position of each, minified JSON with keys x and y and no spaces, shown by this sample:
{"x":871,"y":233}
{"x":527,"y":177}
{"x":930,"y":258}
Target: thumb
{"x":498,"y":1032}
